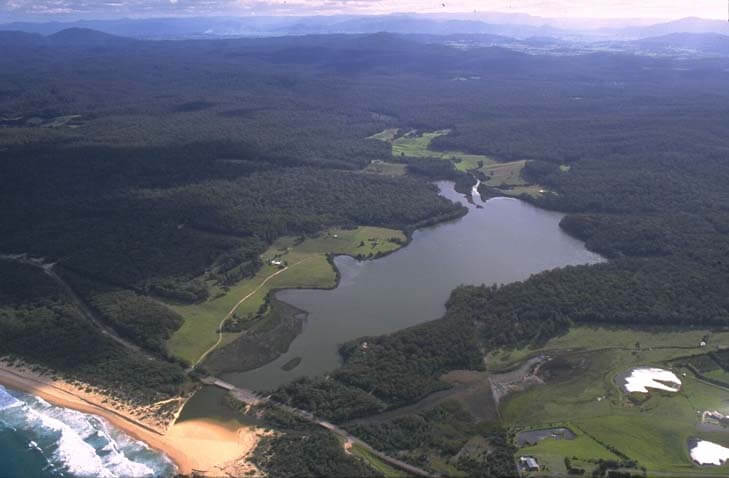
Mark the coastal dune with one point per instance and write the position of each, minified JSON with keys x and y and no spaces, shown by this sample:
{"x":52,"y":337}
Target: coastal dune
{"x":200,"y":446}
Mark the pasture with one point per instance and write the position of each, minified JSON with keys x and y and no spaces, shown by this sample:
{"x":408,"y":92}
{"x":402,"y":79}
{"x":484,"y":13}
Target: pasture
{"x":503,"y":178}
{"x":385,"y":168}
{"x":375,"y":462}
{"x":414,"y":145}
{"x":581,"y":392}
{"x":603,"y":337}
{"x":308,"y":267}
{"x":551,"y":453}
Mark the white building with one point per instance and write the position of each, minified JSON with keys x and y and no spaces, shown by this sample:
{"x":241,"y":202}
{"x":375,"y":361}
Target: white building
{"x":528,"y":463}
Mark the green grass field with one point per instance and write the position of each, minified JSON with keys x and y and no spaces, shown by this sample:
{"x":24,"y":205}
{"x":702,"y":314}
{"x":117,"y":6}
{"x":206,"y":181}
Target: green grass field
{"x":516,"y":191}
{"x":505,"y":174}
{"x":386,"y":169}
{"x":593,"y":338}
{"x":506,"y":177}
{"x":376,"y":463}
{"x":587,"y":399}
{"x":386,"y":135}
{"x":718,"y":374}
{"x":413,"y":145}
{"x":418,"y":146}
{"x":551,"y":453}
{"x":308,"y":268}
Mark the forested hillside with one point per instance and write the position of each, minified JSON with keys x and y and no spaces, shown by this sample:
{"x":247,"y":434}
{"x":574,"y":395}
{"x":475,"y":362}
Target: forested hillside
{"x":42,"y":326}
{"x":147,"y":170}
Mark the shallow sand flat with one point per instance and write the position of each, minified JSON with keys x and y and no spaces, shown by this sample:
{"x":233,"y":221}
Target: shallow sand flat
{"x":209,"y":446}
{"x":195,"y":445}
{"x":641,"y":379}
{"x":709,"y":453}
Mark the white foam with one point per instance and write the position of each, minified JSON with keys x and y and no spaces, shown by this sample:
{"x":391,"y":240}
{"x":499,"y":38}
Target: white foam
{"x":79,"y":444}
{"x":7,"y":400}
{"x":641,"y":379}
{"x":708,"y":453}
{"x":117,"y":460}
{"x":72,"y":449}
{"x":77,"y":456}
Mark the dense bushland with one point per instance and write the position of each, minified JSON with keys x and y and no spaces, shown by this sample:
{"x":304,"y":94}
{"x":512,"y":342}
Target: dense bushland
{"x":40,"y":325}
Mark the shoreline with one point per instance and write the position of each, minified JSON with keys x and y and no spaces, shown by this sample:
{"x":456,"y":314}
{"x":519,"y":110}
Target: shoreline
{"x":409,"y":231}
{"x":195,"y":446}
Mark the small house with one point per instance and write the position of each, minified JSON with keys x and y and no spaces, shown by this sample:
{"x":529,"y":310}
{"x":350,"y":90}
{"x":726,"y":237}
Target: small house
{"x":528,"y":463}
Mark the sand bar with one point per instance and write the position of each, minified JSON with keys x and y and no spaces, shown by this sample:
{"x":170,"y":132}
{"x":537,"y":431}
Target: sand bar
{"x":709,"y":453}
{"x":641,"y":379}
{"x":201,"y":446}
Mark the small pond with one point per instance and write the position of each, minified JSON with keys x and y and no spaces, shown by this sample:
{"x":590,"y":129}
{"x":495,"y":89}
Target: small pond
{"x":533,"y":437}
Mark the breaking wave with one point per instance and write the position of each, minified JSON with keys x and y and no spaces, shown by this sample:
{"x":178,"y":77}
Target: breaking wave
{"x":75,"y":444}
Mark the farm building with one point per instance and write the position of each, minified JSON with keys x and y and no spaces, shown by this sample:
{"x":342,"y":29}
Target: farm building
{"x":528,"y":463}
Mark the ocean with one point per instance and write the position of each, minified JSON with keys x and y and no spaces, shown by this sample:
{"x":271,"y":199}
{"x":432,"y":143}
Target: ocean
{"x":40,"y":440}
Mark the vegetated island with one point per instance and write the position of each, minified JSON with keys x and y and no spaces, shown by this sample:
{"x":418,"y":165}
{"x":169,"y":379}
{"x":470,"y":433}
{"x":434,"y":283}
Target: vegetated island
{"x":291,"y":364}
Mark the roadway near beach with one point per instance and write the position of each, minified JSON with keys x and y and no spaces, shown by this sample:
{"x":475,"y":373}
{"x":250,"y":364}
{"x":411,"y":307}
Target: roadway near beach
{"x":201,"y":446}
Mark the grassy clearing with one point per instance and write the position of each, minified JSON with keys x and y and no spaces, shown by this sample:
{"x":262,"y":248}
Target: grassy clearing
{"x":386,"y":169}
{"x":551,"y":453}
{"x":595,"y":338}
{"x":361,"y":241}
{"x":501,"y":174}
{"x":657,"y":441}
{"x":505,"y":178}
{"x":376,"y":463}
{"x":718,"y":374}
{"x":308,"y":268}
{"x":413,"y":145}
{"x":583,"y":395}
{"x":444,"y":468}
{"x":387,"y":135}
{"x":516,"y":191}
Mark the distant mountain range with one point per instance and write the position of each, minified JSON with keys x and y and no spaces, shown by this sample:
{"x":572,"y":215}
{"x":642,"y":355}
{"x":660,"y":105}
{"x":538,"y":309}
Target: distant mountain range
{"x":690,"y":37}
{"x":685,"y":25}
{"x":279,"y":26}
{"x":513,"y":25}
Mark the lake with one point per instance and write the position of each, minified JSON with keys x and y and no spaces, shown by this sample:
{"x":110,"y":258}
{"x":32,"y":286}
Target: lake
{"x":499,"y":241}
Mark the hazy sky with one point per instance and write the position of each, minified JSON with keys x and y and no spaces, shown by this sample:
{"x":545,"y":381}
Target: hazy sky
{"x":665,"y":9}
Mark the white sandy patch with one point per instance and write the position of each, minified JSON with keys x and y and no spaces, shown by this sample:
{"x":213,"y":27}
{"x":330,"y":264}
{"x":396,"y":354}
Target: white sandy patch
{"x":641,"y":379}
{"x":708,"y":453}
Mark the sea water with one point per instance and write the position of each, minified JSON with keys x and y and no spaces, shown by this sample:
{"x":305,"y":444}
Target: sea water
{"x":38,"y":439}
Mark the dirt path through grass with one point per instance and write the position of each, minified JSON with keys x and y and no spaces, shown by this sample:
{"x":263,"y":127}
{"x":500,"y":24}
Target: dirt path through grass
{"x":235,"y":307}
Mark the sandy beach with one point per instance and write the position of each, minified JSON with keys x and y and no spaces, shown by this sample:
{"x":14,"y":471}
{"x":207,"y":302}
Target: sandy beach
{"x":203,"y":447}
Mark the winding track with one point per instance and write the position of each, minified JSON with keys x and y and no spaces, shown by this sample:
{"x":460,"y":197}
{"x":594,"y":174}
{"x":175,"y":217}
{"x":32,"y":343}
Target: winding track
{"x":235,"y":307}
{"x":47,"y":268}
{"x":250,"y":397}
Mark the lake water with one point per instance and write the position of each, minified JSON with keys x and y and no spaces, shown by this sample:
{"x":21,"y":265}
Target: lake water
{"x":504,"y":240}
